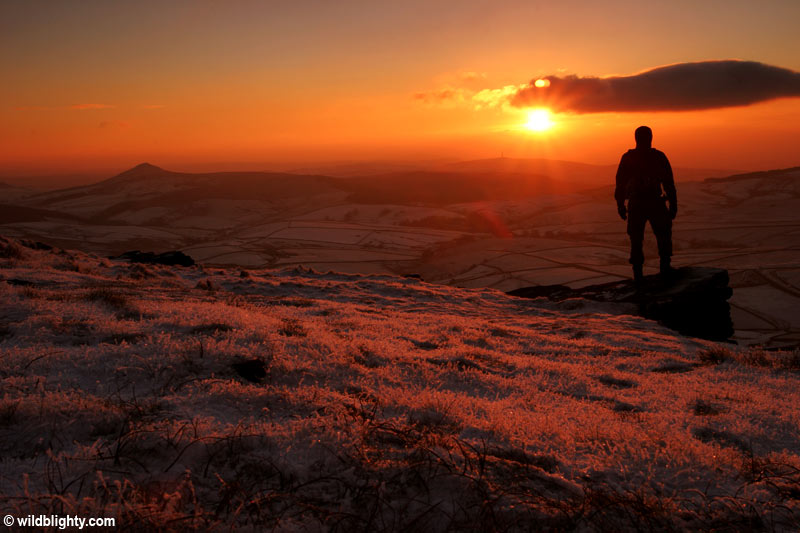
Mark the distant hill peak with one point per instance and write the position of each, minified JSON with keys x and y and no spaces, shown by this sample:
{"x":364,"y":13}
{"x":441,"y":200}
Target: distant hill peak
{"x":143,"y":170}
{"x":145,"y":167}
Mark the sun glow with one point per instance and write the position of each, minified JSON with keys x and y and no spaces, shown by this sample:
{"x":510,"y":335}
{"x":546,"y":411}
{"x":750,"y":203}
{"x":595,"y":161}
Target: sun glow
{"x":539,"y":120}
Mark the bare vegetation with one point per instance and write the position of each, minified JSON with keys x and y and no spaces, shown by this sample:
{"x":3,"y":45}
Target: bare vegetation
{"x":10,"y":249}
{"x":753,"y":356}
{"x":428,"y":409}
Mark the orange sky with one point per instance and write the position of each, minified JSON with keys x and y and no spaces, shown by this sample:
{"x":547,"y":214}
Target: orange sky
{"x":94,"y":85}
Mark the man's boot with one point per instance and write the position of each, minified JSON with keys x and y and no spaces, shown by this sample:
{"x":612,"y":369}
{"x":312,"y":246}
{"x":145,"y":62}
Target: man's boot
{"x":666,"y":271}
{"x":638,"y":274}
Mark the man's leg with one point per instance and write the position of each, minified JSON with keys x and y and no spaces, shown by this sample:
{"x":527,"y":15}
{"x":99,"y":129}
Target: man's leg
{"x":661,"y":222}
{"x":636,"y":223}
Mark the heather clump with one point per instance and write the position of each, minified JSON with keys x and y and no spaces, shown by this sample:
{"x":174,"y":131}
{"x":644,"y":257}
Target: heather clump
{"x":10,"y":250}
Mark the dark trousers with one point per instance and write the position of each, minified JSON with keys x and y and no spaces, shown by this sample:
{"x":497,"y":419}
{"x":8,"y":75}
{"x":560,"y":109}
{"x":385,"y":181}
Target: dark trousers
{"x":656,"y":212}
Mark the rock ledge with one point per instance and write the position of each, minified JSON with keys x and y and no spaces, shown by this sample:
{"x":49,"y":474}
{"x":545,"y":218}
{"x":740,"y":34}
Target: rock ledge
{"x":694,"y":302}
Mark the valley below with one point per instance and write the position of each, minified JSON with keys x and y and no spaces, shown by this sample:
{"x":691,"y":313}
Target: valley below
{"x":500,"y":223}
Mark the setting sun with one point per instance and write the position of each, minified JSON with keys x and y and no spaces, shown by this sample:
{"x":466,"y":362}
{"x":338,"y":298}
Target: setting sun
{"x":539,"y":120}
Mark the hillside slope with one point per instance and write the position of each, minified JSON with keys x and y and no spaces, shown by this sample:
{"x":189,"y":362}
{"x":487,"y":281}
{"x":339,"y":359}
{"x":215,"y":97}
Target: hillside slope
{"x":506,"y":230}
{"x":194,"y":399}
{"x":146,"y":186}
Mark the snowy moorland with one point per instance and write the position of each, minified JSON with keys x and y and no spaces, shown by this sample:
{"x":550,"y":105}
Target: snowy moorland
{"x":207,"y":399}
{"x":500,"y":223}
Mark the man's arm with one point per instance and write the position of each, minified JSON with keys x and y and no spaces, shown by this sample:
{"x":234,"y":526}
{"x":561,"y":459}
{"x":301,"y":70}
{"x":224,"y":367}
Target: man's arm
{"x":669,"y":188}
{"x":622,"y":186}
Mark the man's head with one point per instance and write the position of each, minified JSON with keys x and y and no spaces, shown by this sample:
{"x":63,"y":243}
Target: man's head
{"x":644,"y":137}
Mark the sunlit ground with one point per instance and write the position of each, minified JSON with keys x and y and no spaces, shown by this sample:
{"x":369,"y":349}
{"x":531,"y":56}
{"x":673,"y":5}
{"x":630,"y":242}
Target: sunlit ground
{"x":222,"y":400}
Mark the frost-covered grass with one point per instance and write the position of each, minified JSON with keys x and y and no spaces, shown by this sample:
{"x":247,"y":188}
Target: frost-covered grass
{"x":194,"y":399}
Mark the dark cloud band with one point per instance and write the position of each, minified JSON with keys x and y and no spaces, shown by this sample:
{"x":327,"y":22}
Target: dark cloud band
{"x":679,"y":87}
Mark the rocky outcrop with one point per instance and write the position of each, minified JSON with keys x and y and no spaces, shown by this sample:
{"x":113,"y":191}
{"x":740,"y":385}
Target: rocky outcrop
{"x":694,"y":302}
{"x":172,"y":258}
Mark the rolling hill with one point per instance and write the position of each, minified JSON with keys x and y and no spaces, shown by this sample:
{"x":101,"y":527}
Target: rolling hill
{"x":485,"y":225}
{"x":147,"y":186}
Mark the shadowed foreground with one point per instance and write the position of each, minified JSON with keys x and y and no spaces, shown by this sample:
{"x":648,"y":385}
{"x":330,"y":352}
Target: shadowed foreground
{"x":182,"y":398}
{"x":694,"y":301}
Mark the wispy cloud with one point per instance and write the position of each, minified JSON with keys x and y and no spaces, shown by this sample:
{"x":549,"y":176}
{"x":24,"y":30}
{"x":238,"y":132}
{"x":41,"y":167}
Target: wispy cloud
{"x":470,"y":76}
{"x":441,"y":96}
{"x":495,"y":97}
{"x":458,"y":88}
{"x":478,"y":99}
{"x":679,"y":87}
{"x":82,"y":107}
{"x":76,"y":107}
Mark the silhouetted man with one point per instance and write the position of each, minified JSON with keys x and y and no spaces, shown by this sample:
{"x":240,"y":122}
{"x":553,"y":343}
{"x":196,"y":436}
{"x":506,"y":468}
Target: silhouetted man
{"x":644,"y":179}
